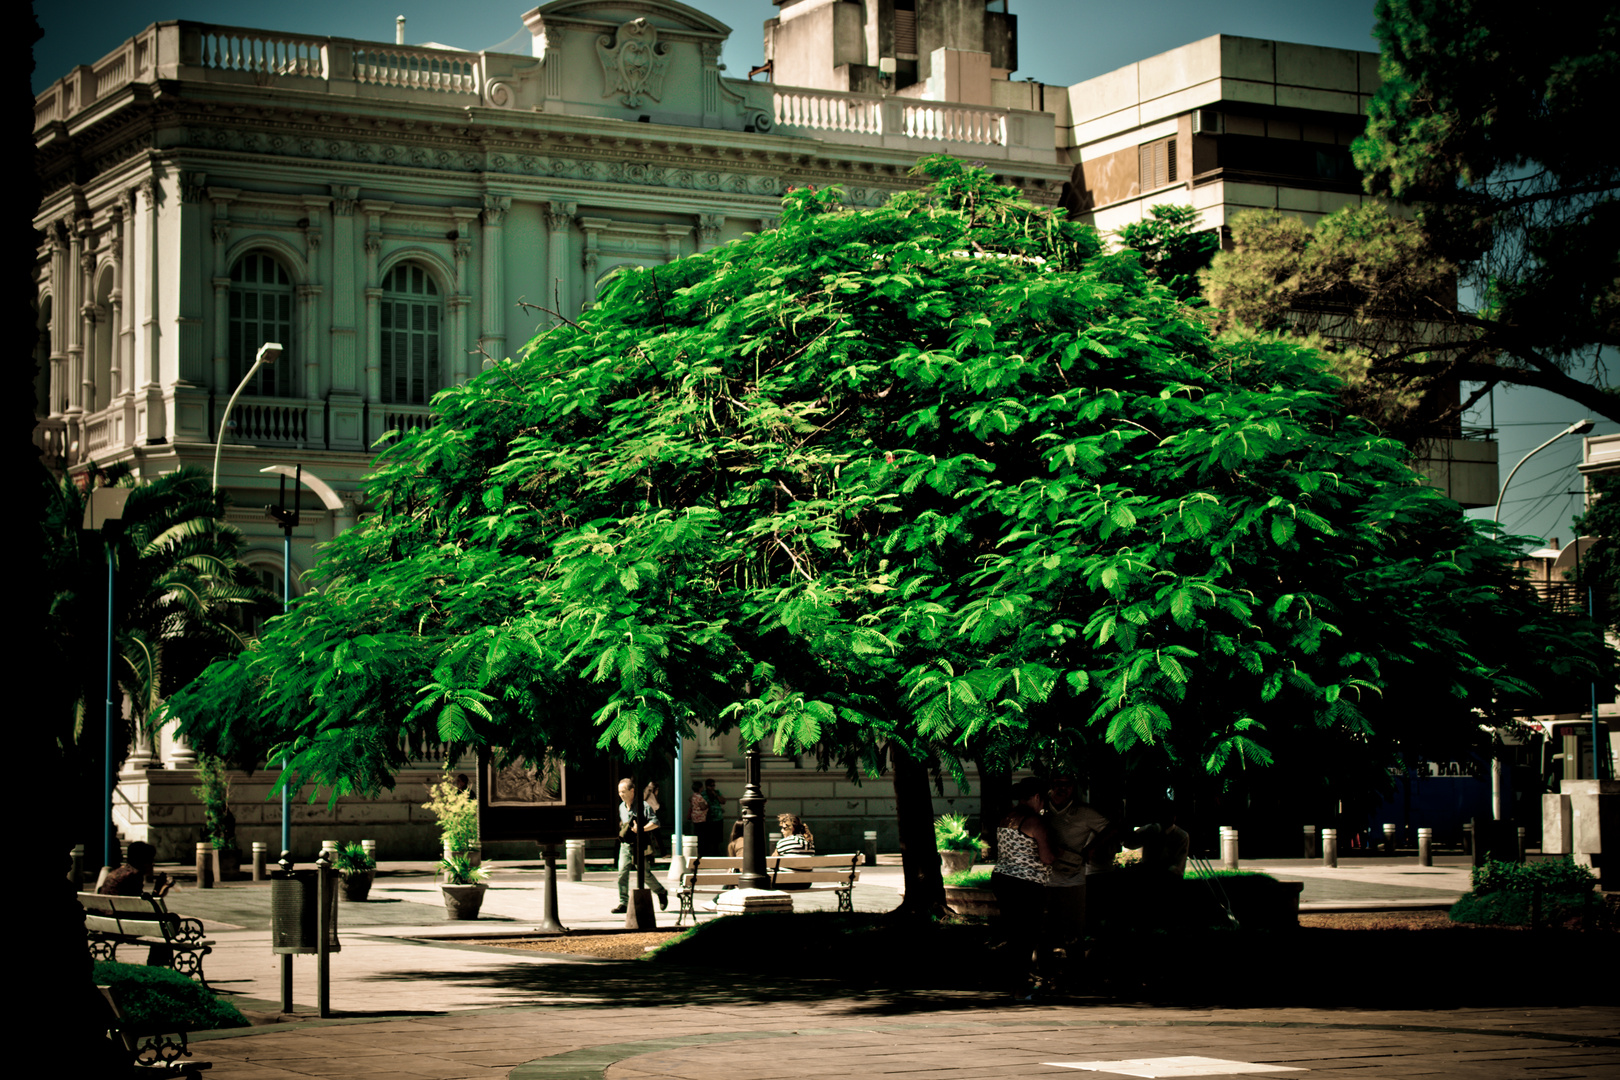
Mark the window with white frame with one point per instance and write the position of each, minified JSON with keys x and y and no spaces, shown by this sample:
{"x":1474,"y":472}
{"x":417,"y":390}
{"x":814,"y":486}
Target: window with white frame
{"x":410,"y":315}
{"x":261,"y":310}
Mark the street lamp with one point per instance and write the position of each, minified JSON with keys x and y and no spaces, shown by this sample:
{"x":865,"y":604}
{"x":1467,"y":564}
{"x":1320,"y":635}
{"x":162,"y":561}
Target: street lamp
{"x":1579,"y":427}
{"x":101,"y":506}
{"x":267,"y":355}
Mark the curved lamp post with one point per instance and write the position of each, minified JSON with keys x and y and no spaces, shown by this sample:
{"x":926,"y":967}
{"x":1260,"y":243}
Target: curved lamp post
{"x":266,"y":355}
{"x":1579,"y":427}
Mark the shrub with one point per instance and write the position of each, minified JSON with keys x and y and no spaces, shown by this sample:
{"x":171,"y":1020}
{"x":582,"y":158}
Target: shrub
{"x":1562,"y":875}
{"x":156,"y":1000}
{"x":459,"y":870}
{"x":969,"y":879}
{"x":1548,"y":891}
{"x":951,"y":834}
{"x":353,"y":858}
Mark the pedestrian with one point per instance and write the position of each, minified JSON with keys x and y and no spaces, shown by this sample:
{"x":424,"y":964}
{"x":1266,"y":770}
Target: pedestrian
{"x":717,"y":814}
{"x":636,"y":826}
{"x":1072,"y":827}
{"x":1023,"y":868}
{"x":734,"y":846}
{"x":697,"y":812}
{"x":130,"y":878}
{"x":796,"y":837}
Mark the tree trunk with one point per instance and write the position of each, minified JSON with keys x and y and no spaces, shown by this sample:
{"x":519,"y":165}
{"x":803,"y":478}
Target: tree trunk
{"x":914,"y":812}
{"x":995,"y":794}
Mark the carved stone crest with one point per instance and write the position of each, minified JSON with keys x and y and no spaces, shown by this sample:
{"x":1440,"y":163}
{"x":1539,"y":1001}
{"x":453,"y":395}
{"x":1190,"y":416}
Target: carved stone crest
{"x":634,"y":66}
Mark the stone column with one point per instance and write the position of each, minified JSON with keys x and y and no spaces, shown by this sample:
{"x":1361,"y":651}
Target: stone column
{"x":459,"y":365}
{"x":129,"y":376}
{"x":61,"y":290}
{"x":115,"y":305}
{"x":592,"y":228}
{"x":559,"y":224}
{"x":492,"y":279}
{"x":345,"y":402}
{"x":152,"y":422}
{"x":223,"y":384}
{"x":74,"y":303}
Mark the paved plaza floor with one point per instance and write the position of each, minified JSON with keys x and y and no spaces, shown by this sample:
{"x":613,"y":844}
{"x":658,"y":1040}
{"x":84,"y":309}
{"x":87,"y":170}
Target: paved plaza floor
{"x":412,"y":1001}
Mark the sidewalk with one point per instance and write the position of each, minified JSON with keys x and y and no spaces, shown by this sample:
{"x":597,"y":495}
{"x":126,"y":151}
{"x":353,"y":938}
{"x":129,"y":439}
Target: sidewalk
{"x":413,"y":1002}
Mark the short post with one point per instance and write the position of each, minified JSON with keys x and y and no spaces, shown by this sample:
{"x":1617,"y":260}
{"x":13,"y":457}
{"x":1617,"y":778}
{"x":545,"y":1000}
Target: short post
{"x":752,"y":802}
{"x":1468,"y":838}
{"x":323,"y":928}
{"x":869,"y":839}
{"x":1425,"y":847}
{"x":76,"y":872}
{"x":574,"y":853}
{"x":1310,"y":841}
{"x":1229,"y":847}
{"x":1390,"y":831}
{"x":286,"y":864}
{"x":328,"y":850}
{"x":205,"y":864}
{"x":370,"y":847}
{"x":550,"y":924}
{"x":689,"y":846}
{"x":1330,"y":847}
{"x":1523,"y":843}
{"x":261,"y":855}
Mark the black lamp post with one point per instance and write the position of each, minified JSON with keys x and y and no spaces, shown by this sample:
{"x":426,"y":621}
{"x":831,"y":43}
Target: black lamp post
{"x":752,"y":803}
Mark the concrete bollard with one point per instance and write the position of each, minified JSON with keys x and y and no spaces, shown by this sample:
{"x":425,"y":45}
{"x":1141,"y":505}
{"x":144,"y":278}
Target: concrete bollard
{"x":1310,"y":841}
{"x":1468,"y":837}
{"x":689,"y":847}
{"x":76,"y":871}
{"x":574,"y":856}
{"x":370,"y":847}
{"x":261,"y":854}
{"x":1330,"y":847}
{"x":205,"y":864}
{"x":869,"y":838}
{"x":1425,"y":847}
{"x":328,"y":850}
{"x":1229,"y":847}
{"x":1390,"y":832}
{"x":1524,"y":844}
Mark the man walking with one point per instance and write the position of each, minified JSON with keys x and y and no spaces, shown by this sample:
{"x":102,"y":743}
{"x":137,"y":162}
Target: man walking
{"x":635,"y":823}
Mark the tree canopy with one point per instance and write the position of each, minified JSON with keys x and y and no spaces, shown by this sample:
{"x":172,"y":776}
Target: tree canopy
{"x":1487,"y":123}
{"x":907,"y":481}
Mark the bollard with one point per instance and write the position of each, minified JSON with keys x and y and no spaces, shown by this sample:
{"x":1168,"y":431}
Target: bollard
{"x":1523,"y":843}
{"x":261,"y":854}
{"x":1390,"y":832}
{"x":1468,"y":838}
{"x":205,"y":864}
{"x":869,"y":839}
{"x":328,"y":850}
{"x":370,"y":847}
{"x":689,"y":847}
{"x":323,"y":945}
{"x":1229,"y":847}
{"x":1310,"y":841}
{"x":1330,"y":847}
{"x":76,"y":873}
{"x":574,"y":858}
{"x":1425,"y":845}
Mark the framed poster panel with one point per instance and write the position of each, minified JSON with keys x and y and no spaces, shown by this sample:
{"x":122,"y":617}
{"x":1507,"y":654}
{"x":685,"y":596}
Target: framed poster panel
{"x":549,"y":801}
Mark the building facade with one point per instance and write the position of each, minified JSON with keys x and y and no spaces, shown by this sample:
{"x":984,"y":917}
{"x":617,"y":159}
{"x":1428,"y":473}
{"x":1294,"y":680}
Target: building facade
{"x":398,"y":217}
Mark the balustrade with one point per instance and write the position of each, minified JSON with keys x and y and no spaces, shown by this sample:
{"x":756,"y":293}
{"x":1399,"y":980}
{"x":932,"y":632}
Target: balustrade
{"x":259,"y":52}
{"x":416,"y":69}
{"x":405,"y":418}
{"x":860,"y":114}
{"x":271,"y":421}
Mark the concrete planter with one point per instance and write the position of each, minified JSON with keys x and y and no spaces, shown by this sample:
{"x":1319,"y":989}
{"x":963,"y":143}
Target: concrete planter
{"x":357,"y":884}
{"x":953,"y":862}
{"x":971,"y":901}
{"x":463,"y":901}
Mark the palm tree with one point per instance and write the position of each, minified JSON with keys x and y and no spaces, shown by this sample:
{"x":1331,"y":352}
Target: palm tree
{"x":181,"y":600}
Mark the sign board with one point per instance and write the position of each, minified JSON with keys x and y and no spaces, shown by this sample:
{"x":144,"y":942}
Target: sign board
{"x":549,"y":802}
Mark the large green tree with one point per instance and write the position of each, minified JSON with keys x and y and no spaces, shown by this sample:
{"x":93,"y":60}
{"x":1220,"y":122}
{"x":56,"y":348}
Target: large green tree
{"x":933,"y":480}
{"x":1488,"y":123}
{"x":180,"y":601}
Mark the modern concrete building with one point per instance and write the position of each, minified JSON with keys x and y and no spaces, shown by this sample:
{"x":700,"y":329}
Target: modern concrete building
{"x":396,"y":216}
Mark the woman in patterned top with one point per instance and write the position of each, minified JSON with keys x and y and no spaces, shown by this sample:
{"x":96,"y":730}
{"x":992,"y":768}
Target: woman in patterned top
{"x":796,"y":838}
{"x":1022,"y":866}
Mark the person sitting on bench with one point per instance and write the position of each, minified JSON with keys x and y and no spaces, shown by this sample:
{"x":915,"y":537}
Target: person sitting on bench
{"x":130,"y":879}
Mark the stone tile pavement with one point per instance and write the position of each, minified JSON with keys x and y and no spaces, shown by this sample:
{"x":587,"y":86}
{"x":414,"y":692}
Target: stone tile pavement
{"x":414,"y":1002}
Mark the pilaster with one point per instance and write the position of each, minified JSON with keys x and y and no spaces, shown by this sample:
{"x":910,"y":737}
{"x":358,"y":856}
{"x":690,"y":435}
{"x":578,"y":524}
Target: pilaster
{"x":492,"y":279}
{"x":151,"y":422}
{"x":559,"y":225}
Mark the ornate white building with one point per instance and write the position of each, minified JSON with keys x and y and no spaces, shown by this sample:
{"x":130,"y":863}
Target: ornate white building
{"x":395,"y":217}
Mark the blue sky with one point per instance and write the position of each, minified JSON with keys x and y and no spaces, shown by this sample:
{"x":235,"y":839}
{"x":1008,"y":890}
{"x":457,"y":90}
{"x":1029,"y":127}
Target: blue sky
{"x":1061,"y":42}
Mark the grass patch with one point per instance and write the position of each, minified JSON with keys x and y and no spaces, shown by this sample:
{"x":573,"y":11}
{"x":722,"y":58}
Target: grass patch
{"x":969,"y":879}
{"x":1226,"y":875}
{"x":156,"y":1000}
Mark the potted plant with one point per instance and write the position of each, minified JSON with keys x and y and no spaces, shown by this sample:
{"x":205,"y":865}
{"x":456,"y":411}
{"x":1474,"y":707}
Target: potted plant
{"x":463,"y":886}
{"x":357,"y":868}
{"x":457,"y":814}
{"x":968,"y":892}
{"x":957,"y":847}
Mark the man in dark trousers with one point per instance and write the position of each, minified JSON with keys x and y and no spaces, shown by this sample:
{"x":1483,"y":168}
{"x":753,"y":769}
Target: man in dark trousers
{"x":633,"y":830}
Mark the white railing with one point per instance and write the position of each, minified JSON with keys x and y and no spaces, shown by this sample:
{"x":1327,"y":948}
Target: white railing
{"x":405,"y":417}
{"x":267,"y":420}
{"x":51,"y":438}
{"x":98,"y":432}
{"x":829,"y":111}
{"x":416,"y":69}
{"x":111,"y":73}
{"x":262,"y":53}
{"x":861,"y":114}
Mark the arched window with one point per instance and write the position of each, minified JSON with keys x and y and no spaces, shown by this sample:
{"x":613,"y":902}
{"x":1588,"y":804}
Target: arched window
{"x":410,"y":314}
{"x":261,"y":310}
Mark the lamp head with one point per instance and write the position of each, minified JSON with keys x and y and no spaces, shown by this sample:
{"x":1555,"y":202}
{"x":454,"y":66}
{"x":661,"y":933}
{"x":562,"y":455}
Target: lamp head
{"x":1580,"y":427}
{"x":268,"y":352}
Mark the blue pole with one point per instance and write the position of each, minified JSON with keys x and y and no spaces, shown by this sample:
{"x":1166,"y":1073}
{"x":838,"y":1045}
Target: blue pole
{"x":107,"y":747}
{"x":286,"y":602}
{"x":1599,"y":757}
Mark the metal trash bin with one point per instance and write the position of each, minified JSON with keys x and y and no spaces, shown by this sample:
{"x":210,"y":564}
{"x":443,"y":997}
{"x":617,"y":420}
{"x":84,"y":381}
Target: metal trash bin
{"x":293,"y":912}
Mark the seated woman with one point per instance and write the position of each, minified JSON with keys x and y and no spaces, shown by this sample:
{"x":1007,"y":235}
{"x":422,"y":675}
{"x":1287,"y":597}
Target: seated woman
{"x":796,"y":840}
{"x":735,"y":845}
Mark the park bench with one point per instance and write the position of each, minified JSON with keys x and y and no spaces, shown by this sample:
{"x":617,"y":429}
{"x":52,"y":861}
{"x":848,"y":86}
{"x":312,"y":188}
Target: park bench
{"x":147,"y":1053}
{"x":715,"y":873}
{"x":111,"y":921}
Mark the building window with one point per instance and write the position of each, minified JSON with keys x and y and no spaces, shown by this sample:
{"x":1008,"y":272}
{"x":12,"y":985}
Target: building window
{"x":260,"y":311}
{"x":1158,"y":164}
{"x":905,"y":29}
{"x":410,"y":315}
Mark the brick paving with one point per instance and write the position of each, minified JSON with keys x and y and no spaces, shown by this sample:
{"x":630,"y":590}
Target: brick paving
{"x":410,"y":1007}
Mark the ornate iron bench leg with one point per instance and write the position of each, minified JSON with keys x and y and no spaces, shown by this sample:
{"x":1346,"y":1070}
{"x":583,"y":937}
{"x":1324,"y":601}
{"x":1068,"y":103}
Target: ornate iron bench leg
{"x":188,"y":962}
{"x":846,"y":901}
{"x":102,"y":949}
